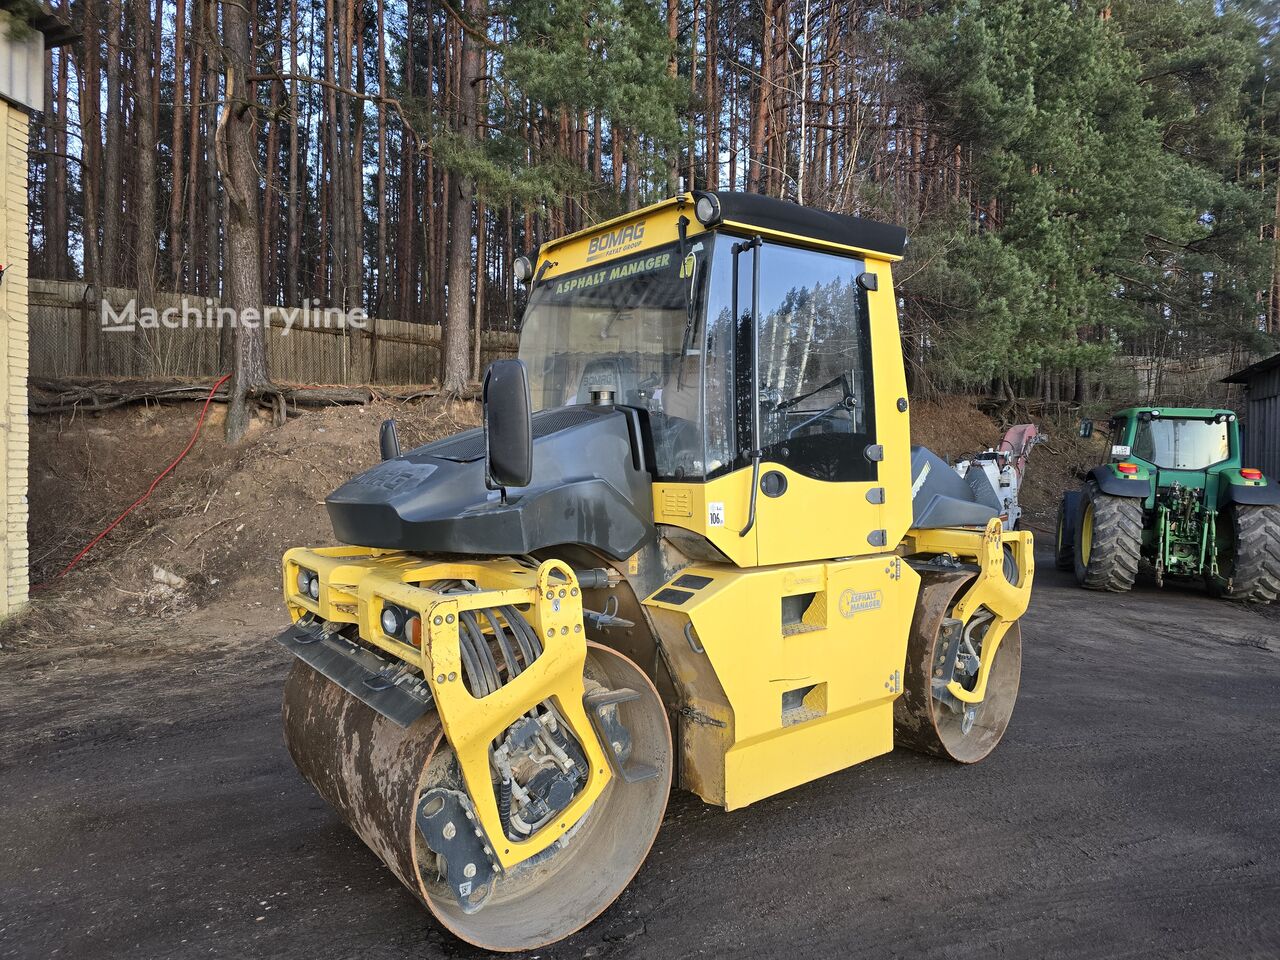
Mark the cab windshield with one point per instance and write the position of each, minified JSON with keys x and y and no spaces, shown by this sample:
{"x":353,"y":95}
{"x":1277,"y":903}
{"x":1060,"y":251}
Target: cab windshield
{"x":628,"y":326}
{"x":672,"y":336}
{"x":1181,"y":444}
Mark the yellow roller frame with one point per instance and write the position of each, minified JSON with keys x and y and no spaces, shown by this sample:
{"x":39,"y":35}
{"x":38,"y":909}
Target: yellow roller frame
{"x":990,"y":589}
{"x":356,"y":582}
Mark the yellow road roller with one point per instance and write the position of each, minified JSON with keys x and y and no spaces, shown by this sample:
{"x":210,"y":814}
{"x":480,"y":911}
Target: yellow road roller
{"x":691,"y":544}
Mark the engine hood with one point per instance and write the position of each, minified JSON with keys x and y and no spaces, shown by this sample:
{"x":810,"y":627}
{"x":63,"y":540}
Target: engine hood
{"x":590,"y":486}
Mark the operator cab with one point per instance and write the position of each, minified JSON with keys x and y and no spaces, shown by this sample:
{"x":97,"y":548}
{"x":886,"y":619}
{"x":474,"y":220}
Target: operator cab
{"x":658,"y":330}
{"x":720,"y":376}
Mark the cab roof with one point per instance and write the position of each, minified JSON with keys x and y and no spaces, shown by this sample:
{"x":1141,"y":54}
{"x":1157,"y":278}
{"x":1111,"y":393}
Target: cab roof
{"x":1194,"y":412}
{"x":755,"y":212}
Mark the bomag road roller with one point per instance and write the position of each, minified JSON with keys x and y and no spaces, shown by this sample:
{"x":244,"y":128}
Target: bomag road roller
{"x":691,"y":543}
{"x":1174,"y":494}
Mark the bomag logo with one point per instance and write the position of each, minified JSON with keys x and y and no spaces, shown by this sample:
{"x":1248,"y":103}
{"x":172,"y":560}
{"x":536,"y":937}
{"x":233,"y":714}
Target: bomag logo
{"x":619,"y":241}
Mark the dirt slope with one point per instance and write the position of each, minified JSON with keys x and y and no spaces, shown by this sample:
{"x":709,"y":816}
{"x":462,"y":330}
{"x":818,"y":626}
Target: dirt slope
{"x":956,"y":427}
{"x":214,"y":531}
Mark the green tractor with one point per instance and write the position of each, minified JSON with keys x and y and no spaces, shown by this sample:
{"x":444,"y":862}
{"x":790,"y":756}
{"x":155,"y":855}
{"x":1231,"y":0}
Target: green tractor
{"x":1173,"y":493}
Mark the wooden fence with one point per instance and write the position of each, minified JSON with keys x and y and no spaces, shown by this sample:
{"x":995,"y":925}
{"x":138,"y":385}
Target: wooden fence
{"x":1185,"y":381}
{"x":71,"y":336}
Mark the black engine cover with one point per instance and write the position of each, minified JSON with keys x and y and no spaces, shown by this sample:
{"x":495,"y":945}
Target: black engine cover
{"x":590,"y":486}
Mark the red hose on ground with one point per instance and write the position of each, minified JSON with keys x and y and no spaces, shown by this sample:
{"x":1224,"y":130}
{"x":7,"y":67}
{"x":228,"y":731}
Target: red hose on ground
{"x":151,"y":489}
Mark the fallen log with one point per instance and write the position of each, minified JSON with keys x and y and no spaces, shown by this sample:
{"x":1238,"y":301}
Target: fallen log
{"x":51,"y":395}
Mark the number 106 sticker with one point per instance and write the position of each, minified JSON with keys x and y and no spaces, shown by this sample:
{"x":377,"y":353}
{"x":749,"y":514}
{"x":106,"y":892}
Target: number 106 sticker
{"x":715,"y":514}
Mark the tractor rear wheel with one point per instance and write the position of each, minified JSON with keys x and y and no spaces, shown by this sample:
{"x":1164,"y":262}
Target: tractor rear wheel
{"x":1248,"y":554}
{"x":1108,"y":541}
{"x":1064,"y":547}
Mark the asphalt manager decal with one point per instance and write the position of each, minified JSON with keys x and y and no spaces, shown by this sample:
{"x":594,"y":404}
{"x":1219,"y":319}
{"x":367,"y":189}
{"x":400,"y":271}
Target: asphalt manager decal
{"x":608,"y":274}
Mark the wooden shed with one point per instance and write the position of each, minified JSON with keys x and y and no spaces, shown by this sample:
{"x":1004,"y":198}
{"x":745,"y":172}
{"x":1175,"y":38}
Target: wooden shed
{"x":1261,"y":414}
{"x":25,"y":34}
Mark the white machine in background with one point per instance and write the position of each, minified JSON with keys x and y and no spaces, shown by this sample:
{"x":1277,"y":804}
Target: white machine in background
{"x":996,"y":474}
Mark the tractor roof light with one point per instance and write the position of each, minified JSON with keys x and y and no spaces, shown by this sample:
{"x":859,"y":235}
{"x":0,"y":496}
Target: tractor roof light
{"x":1251,"y":473}
{"x":1127,"y":468}
{"x":707,"y":209}
{"x":522,"y":269}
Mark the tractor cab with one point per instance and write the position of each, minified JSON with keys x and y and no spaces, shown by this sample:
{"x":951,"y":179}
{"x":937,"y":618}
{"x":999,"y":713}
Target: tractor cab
{"x":1193,"y":450}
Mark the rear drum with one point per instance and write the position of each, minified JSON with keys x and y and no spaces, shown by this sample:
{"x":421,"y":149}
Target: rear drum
{"x":924,"y":718}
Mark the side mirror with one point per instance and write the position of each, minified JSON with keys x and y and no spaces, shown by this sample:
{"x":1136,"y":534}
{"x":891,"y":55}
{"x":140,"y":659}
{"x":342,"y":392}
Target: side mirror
{"x":508,"y":425}
{"x":1086,"y":428}
{"x":388,"y":440}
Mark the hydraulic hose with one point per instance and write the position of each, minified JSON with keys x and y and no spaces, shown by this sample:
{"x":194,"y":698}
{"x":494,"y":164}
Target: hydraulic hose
{"x":151,"y":489}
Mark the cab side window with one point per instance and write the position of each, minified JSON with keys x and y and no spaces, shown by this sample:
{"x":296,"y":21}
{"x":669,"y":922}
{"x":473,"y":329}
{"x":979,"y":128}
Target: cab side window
{"x":816,"y":398}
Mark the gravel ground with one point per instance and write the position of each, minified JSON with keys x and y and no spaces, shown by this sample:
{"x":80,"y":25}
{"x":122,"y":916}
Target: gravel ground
{"x":148,"y":809}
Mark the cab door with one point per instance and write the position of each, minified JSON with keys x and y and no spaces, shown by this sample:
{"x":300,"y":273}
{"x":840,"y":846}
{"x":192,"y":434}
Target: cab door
{"x":821,"y":492}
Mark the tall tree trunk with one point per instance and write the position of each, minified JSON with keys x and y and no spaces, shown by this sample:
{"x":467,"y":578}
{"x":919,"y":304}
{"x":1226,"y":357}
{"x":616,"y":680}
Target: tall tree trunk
{"x":90,"y":140}
{"x":481,"y":270}
{"x":355,"y":165}
{"x":293,"y":292}
{"x":270,"y":274}
{"x":461,"y":190}
{"x":615,"y":139}
{"x":212,"y":209}
{"x":380,"y":297}
{"x":673,"y":68}
{"x":334,"y":164}
{"x":195,"y":147}
{"x":88,"y":89}
{"x":713,"y":105}
{"x":236,"y":143}
{"x":177,"y":190}
{"x":61,"y":214}
{"x":691,"y":176}
{"x":144,"y":119}
{"x":763,"y":94}
{"x":1274,"y":325}
{"x":113,"y":176}
{"x":46,"y":200}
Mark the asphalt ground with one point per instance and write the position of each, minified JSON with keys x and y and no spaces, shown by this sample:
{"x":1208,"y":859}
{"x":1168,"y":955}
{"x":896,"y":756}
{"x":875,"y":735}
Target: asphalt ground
{"x":148,"y":809}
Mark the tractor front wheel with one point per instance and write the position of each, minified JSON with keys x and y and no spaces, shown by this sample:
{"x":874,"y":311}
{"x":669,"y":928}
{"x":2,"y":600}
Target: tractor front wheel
{"x":1108,"y":540}
{"x":1248,"y":553}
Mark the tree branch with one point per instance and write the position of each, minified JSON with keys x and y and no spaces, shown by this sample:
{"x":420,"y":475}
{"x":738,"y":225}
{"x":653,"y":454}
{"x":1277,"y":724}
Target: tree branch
{"x":347,"y":91}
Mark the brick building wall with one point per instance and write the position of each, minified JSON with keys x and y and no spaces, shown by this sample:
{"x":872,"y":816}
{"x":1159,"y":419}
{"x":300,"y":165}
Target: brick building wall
{"x":13,"y":356}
